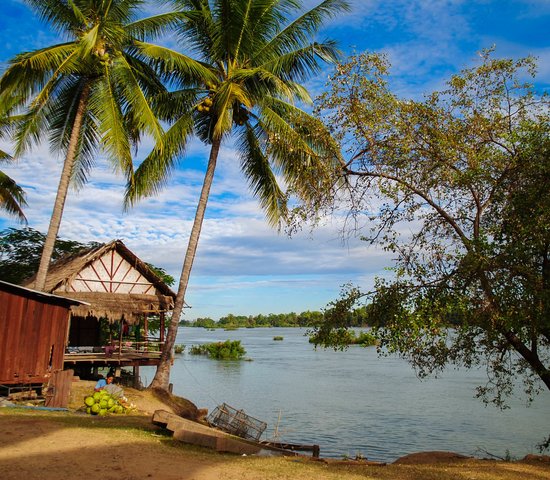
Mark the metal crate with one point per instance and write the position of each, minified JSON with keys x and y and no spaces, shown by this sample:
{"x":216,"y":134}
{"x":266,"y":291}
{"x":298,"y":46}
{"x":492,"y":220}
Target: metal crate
{"x":236,"y":422}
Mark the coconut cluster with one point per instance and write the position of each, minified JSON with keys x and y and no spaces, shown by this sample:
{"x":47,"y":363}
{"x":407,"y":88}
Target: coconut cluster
{"x":102,"y":403}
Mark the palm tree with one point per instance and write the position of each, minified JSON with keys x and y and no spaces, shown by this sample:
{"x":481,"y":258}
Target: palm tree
{"x":258,"y":62}
{"x":91,"y":92}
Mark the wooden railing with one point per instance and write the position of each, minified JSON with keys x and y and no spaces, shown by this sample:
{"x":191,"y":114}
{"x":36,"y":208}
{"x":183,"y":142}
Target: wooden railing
{"x":119,"y":348}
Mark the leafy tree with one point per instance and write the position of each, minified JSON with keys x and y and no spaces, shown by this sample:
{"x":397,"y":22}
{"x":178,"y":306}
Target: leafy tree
{"x":91,"y":92}
{"x":257,"y":64}
{"x":20,"y":251}
{"x":456,"y":187}
{"x":205,"y":322}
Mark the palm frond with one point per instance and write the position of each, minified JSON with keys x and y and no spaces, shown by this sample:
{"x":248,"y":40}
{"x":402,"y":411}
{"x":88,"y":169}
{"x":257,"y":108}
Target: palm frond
{"x":12,"y":197}
{"x":29,"y":128}
{"x":259,"y":82}
{"x":300,"y":32}
{"x":199,"y":31}
{"x":260,"y":176}
{"x":301,"y":145}
{"x":61,"y":116}
{"x":175,"y":66}
{"x":64,"y":17}
{"x":88,"y":41}
{"x":154,"y":26}
{"x":78,"y":15}
{"x":128,"y":85}
{"x":169,"y":106}
{"x":299,"y":65}
{"x":110,"y":123}
{"x":29,"y":72}
{"x":155,"y":170}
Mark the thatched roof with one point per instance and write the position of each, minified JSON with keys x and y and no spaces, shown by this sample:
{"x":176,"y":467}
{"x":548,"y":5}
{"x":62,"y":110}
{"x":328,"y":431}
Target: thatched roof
{"x":112,"y":280}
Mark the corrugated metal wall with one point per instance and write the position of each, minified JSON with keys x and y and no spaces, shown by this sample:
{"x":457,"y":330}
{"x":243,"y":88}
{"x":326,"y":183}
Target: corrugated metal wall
{"x":32,"y":338}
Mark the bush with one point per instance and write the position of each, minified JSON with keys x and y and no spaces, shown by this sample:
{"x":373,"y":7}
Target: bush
{"x":228,"y":350}
{"x":348,"y":337}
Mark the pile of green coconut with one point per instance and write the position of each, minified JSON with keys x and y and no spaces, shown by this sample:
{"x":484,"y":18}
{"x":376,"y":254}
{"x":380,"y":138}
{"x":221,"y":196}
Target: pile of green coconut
{"x":102,"y":403}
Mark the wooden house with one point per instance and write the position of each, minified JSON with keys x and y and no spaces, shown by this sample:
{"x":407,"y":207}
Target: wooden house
{"x":33,"y":334}
{"x":122,"y":296}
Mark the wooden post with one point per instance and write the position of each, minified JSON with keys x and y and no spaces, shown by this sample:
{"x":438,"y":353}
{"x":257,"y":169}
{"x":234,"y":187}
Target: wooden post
{"x":161,"y":327}
{"x":120,"y":337}
{"x":136,"y":376}
{"x":316,"y":451}
{"x":146,"y":331}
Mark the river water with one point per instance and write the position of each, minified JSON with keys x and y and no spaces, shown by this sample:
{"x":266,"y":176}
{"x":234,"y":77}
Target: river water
{"x":353,"y":402}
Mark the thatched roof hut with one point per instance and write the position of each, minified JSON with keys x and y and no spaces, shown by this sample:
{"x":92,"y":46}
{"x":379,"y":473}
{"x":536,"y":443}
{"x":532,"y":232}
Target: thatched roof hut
{"x":112,"y":280}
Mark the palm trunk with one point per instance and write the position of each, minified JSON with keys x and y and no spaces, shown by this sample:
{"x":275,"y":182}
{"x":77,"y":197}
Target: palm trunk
{"x":62,"y":189}
{"x":162,"y":375}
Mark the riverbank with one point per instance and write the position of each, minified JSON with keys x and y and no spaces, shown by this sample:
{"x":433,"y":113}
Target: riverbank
{"x":35,"y":444}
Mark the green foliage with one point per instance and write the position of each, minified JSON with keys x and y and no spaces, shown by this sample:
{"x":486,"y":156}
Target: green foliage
{"x":455,"y":187}
{"x":228,"y":350}
{"x":278,"y":338}
{"x":161,"y":273}
{"x":20,"y":251}
{"x":178,"y":349}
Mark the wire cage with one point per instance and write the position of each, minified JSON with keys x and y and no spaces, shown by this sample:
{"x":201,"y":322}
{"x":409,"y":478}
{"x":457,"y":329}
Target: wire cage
{"x":236,"y":422}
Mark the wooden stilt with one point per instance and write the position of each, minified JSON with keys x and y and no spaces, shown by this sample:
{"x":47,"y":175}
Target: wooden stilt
{"x":162,"y":327}
{"x":136,"y":376}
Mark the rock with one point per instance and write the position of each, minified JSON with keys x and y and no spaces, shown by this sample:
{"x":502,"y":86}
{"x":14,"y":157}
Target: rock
{"x":531,"y":458}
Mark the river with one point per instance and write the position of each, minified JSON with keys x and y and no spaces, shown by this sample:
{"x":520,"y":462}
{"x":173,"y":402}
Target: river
{"x":353,"y":402}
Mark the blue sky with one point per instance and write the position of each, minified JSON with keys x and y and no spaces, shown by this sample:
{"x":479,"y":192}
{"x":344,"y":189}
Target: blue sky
{"x":242,"y":265}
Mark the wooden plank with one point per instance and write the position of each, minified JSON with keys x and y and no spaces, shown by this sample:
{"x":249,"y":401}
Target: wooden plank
{"x":59,"y":389}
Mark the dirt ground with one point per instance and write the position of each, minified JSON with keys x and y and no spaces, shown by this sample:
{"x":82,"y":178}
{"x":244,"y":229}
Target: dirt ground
{"x":38,"y":444}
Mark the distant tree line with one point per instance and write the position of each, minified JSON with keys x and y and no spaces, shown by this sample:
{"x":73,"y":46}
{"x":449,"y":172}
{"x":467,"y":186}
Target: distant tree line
{"x":356,"y":318}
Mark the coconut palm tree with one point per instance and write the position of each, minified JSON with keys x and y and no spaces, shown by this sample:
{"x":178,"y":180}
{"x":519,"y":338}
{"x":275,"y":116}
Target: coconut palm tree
{"x":89,"y":93}
{"x":258,"y":60}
